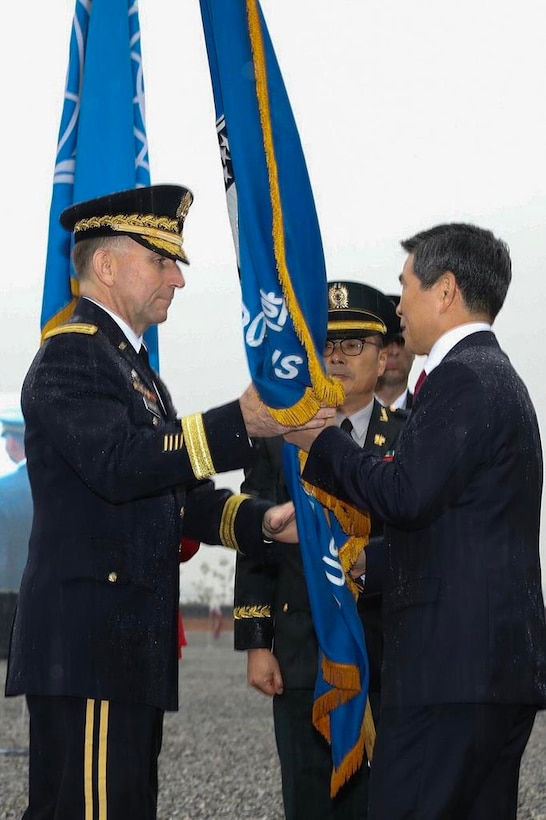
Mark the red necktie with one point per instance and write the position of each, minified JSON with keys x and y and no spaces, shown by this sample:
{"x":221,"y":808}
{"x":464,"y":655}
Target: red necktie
{"x":419,"y":383}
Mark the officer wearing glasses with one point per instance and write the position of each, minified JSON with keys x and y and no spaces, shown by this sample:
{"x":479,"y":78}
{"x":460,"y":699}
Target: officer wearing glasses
{"x":350,"y":347}
{"x":273,"y":621}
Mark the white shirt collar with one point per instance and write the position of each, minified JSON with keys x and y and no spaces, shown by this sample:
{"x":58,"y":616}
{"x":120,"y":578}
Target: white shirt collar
{"x":360,"y":421}
{"x":399,"y":403}
{"x":127,"y":331}
{"x":448,"y":340}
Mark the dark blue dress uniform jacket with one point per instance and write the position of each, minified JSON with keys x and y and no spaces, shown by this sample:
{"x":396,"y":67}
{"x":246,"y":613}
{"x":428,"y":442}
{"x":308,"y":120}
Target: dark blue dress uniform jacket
{"x":463,"y":613}
{"x":113,"y":485}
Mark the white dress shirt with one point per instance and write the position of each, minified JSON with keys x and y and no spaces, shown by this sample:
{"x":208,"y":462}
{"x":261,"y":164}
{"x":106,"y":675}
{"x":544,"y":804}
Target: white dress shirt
{"x":448,"y":340}
{"x":127,"y":331}
{"x":360,"y":421}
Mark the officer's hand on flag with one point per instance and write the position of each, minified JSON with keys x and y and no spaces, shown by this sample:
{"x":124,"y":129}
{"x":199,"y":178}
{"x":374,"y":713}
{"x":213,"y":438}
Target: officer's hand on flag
{"x":304,"y":437}
{"x":358,"y":571}
{"x":259,"y":421}
{"x":279,"y":524}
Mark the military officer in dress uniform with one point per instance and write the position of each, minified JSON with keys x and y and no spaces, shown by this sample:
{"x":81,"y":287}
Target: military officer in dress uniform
{"x":117,"y":478}
{"x":272,"y":612}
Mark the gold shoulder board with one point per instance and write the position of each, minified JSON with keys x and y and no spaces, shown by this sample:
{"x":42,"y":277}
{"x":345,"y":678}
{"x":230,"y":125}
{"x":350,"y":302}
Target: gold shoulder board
{"x":76,"y":327}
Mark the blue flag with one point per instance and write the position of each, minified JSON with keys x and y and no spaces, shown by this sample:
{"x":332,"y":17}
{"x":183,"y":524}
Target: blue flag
{"x":284,"y":292}
{"x":102,"y":144}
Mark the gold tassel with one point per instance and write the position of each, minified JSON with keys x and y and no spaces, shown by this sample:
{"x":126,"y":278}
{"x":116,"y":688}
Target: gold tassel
{"x":305,"y":408}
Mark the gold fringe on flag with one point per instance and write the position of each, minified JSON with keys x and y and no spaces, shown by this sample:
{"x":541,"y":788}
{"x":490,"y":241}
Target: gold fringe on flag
{"x":354,"y":522}
{"x":337,"y":696}
{"x":369,"y":731}
{"x":348,"y":554}
{"x":325,"y":389}
{"x":365,"y":742}
{"x":350,"y":764}
{"x":345,"y":676}
{"x":306,"y":407}
{"x":325,"y":704}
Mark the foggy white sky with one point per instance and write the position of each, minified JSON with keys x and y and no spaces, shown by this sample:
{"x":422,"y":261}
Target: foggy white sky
{"x":409,"y":113}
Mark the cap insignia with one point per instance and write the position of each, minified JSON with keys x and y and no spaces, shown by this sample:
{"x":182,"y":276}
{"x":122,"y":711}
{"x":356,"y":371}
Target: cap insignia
{"x":338,"y":297}
{"x":184,"y":207}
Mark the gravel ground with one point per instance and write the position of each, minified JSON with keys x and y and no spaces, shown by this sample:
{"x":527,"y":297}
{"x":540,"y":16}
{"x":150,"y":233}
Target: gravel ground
{"x":218,"y":758}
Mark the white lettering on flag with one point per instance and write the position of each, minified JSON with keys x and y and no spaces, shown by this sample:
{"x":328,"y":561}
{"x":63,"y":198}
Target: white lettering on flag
{"x":339,"y":579}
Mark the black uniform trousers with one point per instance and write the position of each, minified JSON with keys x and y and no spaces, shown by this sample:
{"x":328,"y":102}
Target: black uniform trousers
{"x":306,"y":764}
{"x":92,"y":759}
{"x":449,"y":762}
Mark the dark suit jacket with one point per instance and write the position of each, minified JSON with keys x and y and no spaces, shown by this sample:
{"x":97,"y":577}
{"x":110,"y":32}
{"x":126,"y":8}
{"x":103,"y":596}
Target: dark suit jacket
{"x":272,"y":608}
{"x":111,"y":479}
{"x":463,"y":612}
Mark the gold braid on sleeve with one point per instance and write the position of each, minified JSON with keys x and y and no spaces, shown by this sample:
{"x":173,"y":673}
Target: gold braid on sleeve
{"x":197,"y":445}
{"x":227,"y":523}
{"x":242,"y":612}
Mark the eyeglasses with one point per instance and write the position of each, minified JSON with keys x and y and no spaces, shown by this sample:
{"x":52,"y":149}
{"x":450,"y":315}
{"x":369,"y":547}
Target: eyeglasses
{"x":351,"y":347}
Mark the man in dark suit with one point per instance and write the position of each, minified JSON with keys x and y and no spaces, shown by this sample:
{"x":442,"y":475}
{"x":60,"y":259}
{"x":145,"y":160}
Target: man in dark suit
{"x":15,"y":521}
{"x":463,"y":615}
{"x":392,"y":387}
{"x":273,"y":620}
{"x":117,"y":479}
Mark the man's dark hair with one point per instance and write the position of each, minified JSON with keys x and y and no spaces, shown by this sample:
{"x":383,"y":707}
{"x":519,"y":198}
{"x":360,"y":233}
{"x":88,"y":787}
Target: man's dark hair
{"x":479,"y":261}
